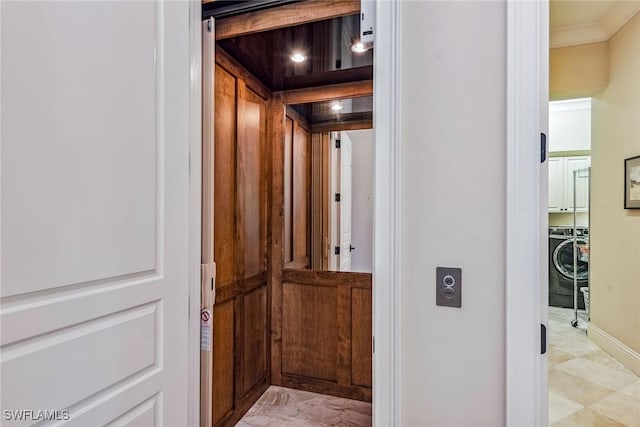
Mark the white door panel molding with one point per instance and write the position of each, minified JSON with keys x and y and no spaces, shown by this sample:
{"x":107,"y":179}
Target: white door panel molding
{"x":96,"y":214}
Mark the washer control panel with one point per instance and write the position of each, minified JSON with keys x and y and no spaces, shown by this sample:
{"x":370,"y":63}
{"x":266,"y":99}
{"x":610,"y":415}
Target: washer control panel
{"x":449,"y":286}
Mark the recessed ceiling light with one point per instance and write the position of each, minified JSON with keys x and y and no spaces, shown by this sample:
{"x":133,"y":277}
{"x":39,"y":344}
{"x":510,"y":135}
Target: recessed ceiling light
{"x":358,"y":47}
{"x":298,"y":57}
{"x":336,"y":106}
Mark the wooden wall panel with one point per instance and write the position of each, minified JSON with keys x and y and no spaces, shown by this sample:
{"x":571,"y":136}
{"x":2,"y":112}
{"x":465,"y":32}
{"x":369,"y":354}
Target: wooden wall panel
{"x":309,"y":337}
{"x":276,"y":233}
{"x":223,"y":360}
{"x":326,"y":332}
{"x":361,"y":335}
{"x":241,"y":354}
{"x":318,"y":195}
{"x":344,"y":336}
{"x":288,"y":200}
{"x":297,"y":191}
{"x":224,"y":170}
{"x":255,"y":338}
{"x":252,"y":145}
{"x":301,"y":195}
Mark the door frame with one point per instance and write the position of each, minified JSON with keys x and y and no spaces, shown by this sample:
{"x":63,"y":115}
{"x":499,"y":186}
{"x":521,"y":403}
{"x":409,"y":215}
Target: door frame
{"x":526,"y":289}
{"x":195,"y":202}
{"x":527,"y":90}
{"x":387,"y":214}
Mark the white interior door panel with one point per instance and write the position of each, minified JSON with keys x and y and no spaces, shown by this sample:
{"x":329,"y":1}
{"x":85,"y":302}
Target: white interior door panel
{"x":94,"y":260}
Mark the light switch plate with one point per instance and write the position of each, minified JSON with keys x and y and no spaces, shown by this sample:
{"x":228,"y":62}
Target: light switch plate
{"x":449,"y":286}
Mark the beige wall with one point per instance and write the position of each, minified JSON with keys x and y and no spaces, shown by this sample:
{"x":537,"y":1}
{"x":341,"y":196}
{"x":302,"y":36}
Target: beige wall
{"x":453,"y":164}
{"x":578,"y":71}
{"x":615,"y":232}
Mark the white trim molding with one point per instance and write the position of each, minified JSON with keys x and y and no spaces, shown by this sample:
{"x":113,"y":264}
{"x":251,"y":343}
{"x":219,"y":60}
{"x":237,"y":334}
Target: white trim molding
{"x":527,"y":103}
{"x":386,"y":240}
{"x":616,"y":348}
{"x":602,"y":30}
{"x":195,"y":199}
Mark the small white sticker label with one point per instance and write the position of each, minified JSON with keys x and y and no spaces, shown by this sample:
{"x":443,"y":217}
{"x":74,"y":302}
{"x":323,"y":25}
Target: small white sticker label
{"x":205,"y":329}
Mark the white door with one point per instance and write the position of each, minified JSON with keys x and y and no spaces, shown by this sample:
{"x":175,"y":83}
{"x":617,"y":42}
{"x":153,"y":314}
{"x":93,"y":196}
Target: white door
{"x":362,"y":147}
{"x":94,"y":231}
{"x":346,"y":169}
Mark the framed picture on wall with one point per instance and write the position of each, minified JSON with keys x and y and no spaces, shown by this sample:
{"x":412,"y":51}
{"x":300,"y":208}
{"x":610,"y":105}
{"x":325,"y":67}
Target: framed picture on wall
{"x":632,"y":183}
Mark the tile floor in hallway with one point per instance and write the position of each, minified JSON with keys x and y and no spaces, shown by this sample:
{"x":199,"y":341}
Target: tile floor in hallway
{"x":587,"y":387}
{"x":283,"y":407}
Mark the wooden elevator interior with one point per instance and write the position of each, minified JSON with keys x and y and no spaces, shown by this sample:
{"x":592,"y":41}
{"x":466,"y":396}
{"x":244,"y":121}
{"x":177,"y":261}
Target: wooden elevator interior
{"x":280,"y":317}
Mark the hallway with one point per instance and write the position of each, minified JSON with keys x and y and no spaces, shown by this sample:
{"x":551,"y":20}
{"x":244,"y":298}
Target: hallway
{"x":587,"y":387}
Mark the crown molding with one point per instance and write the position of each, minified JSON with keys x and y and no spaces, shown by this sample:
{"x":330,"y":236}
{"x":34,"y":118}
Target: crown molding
{"x":617,"y":16}
{"x":577,"y":34}
{"x":609,"y":24}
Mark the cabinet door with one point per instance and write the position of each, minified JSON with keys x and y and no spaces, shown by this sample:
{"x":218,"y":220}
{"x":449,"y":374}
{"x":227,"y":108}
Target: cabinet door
{"x":582,"y":183}
{"x":556,"y":184}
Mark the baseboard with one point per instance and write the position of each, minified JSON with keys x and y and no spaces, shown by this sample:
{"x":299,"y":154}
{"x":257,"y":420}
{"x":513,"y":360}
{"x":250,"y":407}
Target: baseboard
{"x":327,"y":387}
{"x":620,"y":351}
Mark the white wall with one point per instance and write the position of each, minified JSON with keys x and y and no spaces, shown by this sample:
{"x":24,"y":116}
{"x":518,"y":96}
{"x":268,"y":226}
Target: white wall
{"x":453,"y":125}
{"x":362,"y":145}
{"x":570,"y":125}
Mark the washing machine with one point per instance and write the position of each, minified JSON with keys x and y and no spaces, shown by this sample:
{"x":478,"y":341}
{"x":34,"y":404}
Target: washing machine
{"x":561,"y":266}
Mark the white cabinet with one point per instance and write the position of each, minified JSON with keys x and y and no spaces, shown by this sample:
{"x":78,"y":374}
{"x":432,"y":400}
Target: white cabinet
{"x":556,"y":187}
{"x":570,"y":125}
{"x":561,"y":184}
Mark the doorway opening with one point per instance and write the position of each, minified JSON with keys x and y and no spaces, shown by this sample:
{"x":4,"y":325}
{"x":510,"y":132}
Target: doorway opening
{"x":288,"y":302}
{"x":536,"y":69}
{"x":593,"y":355}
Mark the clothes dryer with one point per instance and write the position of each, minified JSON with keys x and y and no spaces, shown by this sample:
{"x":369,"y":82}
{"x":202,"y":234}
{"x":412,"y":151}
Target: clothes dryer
{"x":561,"y":270}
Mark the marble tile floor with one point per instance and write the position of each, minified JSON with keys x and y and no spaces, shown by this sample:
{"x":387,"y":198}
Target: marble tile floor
{"x":587,"y":387}
{"x":284,"y":407}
